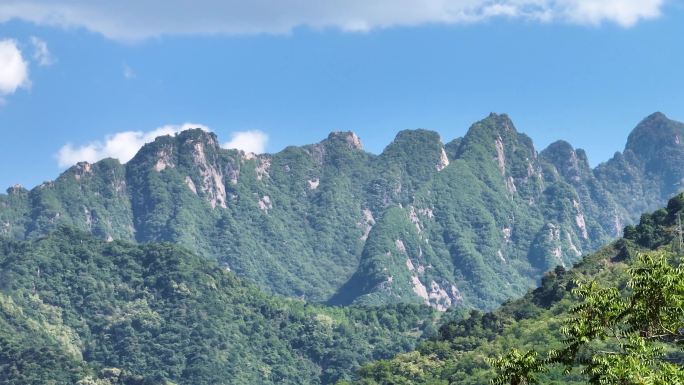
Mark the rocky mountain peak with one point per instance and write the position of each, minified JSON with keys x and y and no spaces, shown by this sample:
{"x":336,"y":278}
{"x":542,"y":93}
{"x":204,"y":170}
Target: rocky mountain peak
{"x":415,"y":145}
{"x":17,"y":189}
{"x":560,"y":148}
{"x":656,"y":117}
{"x":420,"y":134}
{"x":198,"y":135}
{"x":497,"y":134}
{"x":350,"y":139}
{"x":653,"y":133}
{"x":164,"y":152}
{"x":570,"y":162}
{"x":81,"y":169}
{"x":494,"y":126}
{"x":500,"y":121}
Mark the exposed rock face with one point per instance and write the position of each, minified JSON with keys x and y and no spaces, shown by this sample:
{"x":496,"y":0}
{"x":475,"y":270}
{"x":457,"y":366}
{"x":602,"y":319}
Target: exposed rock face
{"x":265,"y":203}
{"x":500,"y":155}
{"x":88,"y":218}
{"x":263,"y":167}
{"x":367,"y":223}
{"x":499,"y":253}
{"x":212,"y":177}
{"x":617,"y":225}
{"x":400,"y":246}
{"x":349,"y":138}
{"x":554,"y":238}
{"x":191,"y":184}
{"x":439,"y":298}
{"x":164,"y":160}
{"x":507,"y":231}
{"x":420,"y":289}
{"x":354,"y":142}
{"x":571,"y":247}
{"x":82,"y":169}
{"x":17,"y":189}
{"x":579,"y":219}
{"x":409,"y":264}
{"x":443,"y":161}
{"x":414,"y":217}
{"x":510,"y":185}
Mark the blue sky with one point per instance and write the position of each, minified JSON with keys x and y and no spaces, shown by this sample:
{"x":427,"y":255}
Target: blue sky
{"x":586,"y":71}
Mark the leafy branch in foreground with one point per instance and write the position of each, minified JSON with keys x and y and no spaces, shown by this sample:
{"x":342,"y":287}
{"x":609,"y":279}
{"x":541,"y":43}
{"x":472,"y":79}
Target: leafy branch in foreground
{"x":625,"y":335}
{"x":518,"y":368}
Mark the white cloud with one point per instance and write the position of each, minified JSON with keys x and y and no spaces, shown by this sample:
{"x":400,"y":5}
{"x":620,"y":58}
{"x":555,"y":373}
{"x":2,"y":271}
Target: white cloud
{"x":248,"y":141}
{"x":134,"y":19}
{"x":41,"y":53}
{"x":13,"y":68}
{"x":121,"y":145}
{"x":623,"y":12}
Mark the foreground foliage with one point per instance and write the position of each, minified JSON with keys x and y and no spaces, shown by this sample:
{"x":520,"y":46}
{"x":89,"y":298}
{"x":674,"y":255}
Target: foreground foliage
{"x":618,"y":337}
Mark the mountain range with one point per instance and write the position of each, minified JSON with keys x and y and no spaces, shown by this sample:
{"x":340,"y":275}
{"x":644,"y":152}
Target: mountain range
{"x":470,"y":222}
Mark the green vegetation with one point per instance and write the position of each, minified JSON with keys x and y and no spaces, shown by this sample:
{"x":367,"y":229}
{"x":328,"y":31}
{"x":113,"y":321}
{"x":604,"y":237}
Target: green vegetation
{"x":89,"y":295}
{"x":481,"y":218}
{"x":616,"y":317}
{"x":74,"y":309}
{"x":618,"y":337}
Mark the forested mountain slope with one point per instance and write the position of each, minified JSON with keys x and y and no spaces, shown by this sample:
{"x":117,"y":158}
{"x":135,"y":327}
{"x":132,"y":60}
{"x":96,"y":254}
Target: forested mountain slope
{"x":474,"y":221}
{"x":78,"y":310}
{"x":462,"y":351}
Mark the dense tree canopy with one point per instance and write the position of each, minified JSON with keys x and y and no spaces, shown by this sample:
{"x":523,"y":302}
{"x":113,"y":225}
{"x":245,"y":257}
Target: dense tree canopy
{"x":619,"y":336}
{"x":74,"y":308}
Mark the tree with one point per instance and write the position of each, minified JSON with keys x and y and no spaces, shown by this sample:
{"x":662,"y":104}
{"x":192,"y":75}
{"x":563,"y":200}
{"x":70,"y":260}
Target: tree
{"x":629,"y":335}
{"x":518,"y":368}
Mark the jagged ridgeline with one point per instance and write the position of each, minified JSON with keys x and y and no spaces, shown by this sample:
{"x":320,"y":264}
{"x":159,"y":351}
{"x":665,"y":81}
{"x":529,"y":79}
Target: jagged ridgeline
{"x":474,"y":221}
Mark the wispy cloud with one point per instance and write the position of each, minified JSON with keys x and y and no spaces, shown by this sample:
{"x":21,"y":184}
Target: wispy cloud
{"x":41,"y":53}
{"x":121,"y":145}
{"x":128,"y":72}
{"x":134,"y":20}
{"x":14,"y":71}
{"x":248,"y":141}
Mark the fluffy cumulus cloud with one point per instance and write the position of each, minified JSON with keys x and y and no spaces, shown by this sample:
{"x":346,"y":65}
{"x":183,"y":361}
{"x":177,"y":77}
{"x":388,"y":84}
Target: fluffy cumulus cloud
{"x":134,"y":19}
{"x":248,"y":141}
{"x":122,"y":145}
{"x":41,"y":53}
{"x":14,"y":72}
